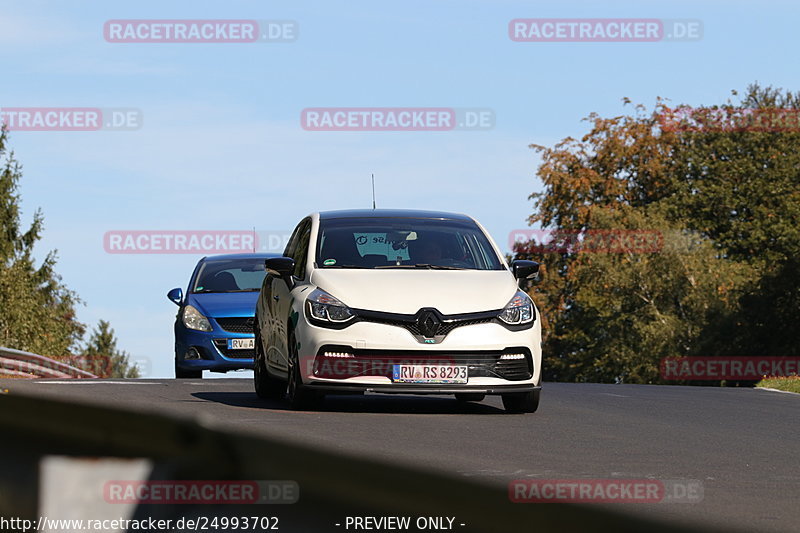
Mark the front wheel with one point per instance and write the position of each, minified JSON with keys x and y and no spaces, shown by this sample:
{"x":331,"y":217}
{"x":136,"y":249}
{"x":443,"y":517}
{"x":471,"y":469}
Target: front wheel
{"x":522,"y":402}
{"x":299,"y":396}
{"x":267,"y":387}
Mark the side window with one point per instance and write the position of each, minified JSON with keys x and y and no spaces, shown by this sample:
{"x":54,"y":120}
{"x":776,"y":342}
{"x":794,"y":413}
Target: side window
{"x":291,"y":246}
{"x":300,"y":253}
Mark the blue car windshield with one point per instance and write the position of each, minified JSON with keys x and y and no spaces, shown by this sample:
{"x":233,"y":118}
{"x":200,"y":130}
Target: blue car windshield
{"x":230,"y":275}
{"x":395,"y":242}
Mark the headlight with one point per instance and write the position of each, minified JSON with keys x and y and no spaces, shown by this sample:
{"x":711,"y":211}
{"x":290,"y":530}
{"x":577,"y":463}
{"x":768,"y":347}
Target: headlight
{"x":194,"y":319}
{"x":518,"y":311}
{"x":323,"y":306}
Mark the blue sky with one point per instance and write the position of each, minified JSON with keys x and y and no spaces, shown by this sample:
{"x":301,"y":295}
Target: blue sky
{"x":221,"y":146}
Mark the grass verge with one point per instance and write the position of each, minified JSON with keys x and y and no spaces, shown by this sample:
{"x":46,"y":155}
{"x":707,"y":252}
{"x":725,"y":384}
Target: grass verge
{"x":790,"y":383}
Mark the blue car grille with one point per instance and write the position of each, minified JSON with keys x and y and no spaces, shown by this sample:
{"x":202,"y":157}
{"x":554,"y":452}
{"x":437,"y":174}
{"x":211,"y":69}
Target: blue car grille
{"x":222,"y":346}
{"x":244,"y":324}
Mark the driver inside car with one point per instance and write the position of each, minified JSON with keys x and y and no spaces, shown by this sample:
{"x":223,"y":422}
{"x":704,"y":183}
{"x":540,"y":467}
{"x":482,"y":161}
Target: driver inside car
{"x":425,"y":251}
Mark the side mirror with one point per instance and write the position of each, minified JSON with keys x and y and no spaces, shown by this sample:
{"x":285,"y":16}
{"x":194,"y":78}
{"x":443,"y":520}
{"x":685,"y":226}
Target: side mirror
{"x":524,"y":269}
{"x":175,"y":296}
{"x":282,"y":267}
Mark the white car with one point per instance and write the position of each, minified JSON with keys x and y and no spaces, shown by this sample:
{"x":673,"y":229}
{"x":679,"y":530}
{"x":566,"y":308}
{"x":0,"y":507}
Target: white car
{"x":396,"y":301}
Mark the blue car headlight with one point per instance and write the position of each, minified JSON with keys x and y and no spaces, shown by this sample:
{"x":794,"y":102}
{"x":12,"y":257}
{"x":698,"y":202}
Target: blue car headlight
{"x":194,"y":319}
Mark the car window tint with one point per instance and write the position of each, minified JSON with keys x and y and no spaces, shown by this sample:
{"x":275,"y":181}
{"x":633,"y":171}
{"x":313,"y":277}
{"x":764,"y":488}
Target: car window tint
{"x":291,"y":245}
{"x":300,"y":255}
{"x":389,"y":242}
{"x":230,"y":275}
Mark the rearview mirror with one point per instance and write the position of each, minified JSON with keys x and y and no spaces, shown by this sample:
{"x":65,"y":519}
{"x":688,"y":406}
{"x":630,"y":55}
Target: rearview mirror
{"x":524,"y":269}
{"x":175,"y":296}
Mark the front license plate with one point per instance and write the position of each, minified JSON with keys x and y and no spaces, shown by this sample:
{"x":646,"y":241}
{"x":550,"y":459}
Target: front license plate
{"x":241,"y":344}
{"x":429,"y":374}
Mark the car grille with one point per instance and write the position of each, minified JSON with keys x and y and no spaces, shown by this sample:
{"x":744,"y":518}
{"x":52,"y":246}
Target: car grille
{"x":381,"y":362}
{"x":410,"y":322}
{"x":222,"y":346}
{"x":447,"y":327}
{"x":242,"y":324}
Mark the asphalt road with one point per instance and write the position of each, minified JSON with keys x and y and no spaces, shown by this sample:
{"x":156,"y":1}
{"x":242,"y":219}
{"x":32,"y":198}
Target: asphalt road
{"x":743,"y":445}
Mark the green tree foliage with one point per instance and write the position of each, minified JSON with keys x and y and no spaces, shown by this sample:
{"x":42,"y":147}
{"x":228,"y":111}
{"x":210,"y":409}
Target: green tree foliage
{"x":37,"y":312}
{"x":725,"y":282}
{"x":741,"y":187}
{"x":102,"y":358}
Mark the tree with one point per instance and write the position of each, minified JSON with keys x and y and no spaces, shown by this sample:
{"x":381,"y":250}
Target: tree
{"x":102,"y":358}
{"x":740,"y":186}
{"x":727,"y":201}
{"x":37,"y":312}
{"x":618,"y":312}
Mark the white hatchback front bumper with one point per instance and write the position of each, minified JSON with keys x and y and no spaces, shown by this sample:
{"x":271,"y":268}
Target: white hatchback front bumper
{"x":360,"y":357}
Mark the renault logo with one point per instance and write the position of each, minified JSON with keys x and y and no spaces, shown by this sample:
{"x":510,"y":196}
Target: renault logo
{"x":428,"y":323}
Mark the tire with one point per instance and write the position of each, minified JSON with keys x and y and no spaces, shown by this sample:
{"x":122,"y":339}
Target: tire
{"x":522,"y":402}
{"x":299,"y":396}
{"x":187,"y":374}
{"x":267,"y":387}
{"x":464,"y":397}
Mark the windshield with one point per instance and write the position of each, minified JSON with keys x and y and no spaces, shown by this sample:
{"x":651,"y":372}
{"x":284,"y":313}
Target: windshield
{"x":404,"y":243}
{"x":230,"y":275}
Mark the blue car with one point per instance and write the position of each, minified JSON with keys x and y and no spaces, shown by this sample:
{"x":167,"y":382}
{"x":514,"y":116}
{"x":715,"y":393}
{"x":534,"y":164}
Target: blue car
{"x":214,"y":324}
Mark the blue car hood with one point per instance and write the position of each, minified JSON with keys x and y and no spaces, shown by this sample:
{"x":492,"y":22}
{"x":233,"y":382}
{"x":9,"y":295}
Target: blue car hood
{"x":225,"y":304}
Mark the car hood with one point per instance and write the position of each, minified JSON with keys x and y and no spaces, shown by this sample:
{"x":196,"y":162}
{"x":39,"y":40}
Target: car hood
{"x":225,"y":304}
{"x":406,"y":291}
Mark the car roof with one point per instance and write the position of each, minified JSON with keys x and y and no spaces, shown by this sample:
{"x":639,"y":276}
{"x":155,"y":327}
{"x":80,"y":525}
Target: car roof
{"x":240,"y":256}
{"x":391,"y":213}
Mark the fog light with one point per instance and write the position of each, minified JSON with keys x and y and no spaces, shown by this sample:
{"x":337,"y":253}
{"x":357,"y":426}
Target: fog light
{"x":511,"y":356}
{"x":340,"y":355}
{"x":192,"y":353}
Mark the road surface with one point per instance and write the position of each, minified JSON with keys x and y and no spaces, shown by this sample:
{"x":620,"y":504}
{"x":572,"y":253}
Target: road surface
{"x":743,"y":445}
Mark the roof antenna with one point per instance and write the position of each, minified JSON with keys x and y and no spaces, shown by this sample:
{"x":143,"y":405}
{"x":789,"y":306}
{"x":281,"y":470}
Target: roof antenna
{"x":373,"y":191}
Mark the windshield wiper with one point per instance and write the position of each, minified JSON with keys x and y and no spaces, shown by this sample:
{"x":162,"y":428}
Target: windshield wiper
{"x":423,"y":265}
{"x":346,"y":266}
{"x":207,"y":291}
{"x":437,"y":267}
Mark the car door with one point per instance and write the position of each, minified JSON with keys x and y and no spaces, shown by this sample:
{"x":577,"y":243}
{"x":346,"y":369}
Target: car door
{"x":279,"y":298}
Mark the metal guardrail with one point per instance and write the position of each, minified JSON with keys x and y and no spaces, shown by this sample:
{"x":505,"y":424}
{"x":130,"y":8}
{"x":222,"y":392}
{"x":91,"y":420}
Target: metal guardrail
{"x":332,"y":485}
{"x":26,"y":364}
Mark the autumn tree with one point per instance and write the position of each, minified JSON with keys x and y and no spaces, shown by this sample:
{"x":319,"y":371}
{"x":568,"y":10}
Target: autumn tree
{"x":725,"y":201}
